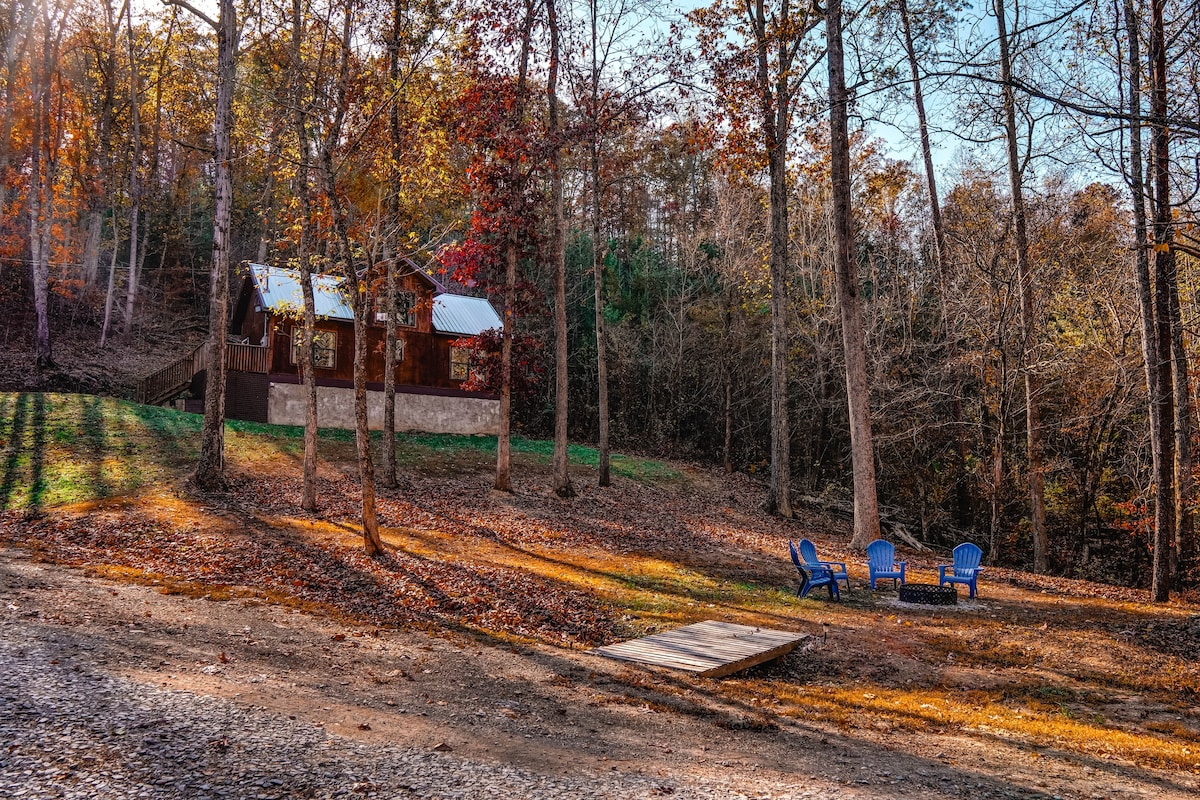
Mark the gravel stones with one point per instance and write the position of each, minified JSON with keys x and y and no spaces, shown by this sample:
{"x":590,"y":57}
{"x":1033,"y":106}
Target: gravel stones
{"x":70,"y":730}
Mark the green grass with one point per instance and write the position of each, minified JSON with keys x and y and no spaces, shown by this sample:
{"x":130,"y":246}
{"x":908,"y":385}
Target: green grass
{"x":542,"y":450}
{"x":59,"y":448}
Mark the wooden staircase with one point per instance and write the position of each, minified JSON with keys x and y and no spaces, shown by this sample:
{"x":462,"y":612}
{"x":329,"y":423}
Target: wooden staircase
{"x":160,"y":386}
{"x":172,"y":379}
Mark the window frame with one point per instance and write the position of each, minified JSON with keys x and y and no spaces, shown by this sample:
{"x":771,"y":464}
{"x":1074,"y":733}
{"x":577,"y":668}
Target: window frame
{"x":331,"y":348}
{"x":462,"y":363}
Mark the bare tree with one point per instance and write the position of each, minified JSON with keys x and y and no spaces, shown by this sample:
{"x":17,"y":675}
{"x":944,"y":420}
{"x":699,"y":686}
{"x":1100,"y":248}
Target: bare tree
{"x":558,"y":255}
{"x":210,"y":468}
{"x":866,"y":507}
{"x":1033,"y":414}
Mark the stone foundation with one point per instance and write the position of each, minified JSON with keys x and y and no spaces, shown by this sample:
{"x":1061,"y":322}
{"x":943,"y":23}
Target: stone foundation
{"x":427,"y":413}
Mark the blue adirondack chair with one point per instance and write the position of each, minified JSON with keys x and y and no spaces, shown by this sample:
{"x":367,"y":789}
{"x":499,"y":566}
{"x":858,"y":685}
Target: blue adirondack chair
{"x":881,"y":561}
{"x":965,"y":568}
{"x":808,"y":552}
{"x":813,"y":577}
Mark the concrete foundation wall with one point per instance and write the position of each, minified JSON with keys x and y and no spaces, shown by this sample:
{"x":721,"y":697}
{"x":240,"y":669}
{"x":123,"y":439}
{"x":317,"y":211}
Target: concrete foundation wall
{"x":414,"y":412}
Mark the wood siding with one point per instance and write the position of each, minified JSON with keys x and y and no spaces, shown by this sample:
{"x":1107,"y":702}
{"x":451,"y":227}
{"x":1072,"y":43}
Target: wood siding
{"x":426,"y":353}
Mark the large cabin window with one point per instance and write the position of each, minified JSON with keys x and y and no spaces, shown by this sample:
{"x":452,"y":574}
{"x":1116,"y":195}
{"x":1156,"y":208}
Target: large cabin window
{"x":324,"y":348}
{"x":406,"y":309}
{"x":460,"y":363}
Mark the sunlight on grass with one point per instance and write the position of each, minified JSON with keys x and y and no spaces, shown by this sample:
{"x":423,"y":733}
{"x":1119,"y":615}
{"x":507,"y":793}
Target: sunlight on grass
{"x":59,"y":449}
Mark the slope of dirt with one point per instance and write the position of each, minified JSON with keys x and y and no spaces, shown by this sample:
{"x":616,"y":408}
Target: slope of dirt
{"x":472,"y":634}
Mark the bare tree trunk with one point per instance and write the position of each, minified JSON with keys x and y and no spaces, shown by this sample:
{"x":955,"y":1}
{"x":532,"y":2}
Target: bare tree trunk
{"x":389,"y":374}
{"x":135,"y":183}
{"x":1165,"y":281}
{"x":775,"y":93}
{"x":935,"y":206}
{"x":308,"y":500}
{"x":599,"y":254}
{"x":503,"y":481}
{"x":359,"y":293}
{"x":866,"y":509}
{"x":1029,"y":336}
{"x":372,"y":542}
{"x":503,"y":443}
{"x":391,"y":259}
{"x":42,"y":175}
{"x":727,"y":379}
{"x":558,"y":254}
{"x":210,"y":469}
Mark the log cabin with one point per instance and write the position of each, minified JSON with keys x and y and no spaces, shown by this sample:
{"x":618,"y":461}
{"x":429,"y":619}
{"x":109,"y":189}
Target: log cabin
{"x":263,"y":374}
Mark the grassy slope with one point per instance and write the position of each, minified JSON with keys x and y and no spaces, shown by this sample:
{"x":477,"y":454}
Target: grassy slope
{"x":57,"y":449}
{"x":1047,"y":664}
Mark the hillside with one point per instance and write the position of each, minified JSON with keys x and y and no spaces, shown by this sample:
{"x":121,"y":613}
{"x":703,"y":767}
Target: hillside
{"x":471,"y":635}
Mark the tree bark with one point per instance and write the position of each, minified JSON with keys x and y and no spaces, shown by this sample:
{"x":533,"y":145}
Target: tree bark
{"x":503,"y":480}
{"x":1165,"y":281}
{"x":775,"y":97}
{"x":135,"y":183}
{"x":1029,"y":338}
{"x":391,"y":259}
{"x":308,"y":500}
{"x":358,"y":290}
{"x":210,"y":469}
{"x":935,"y":206}
{"x":599,"y":254}
{"x":866,"y":506}
{"x":558,"y":254}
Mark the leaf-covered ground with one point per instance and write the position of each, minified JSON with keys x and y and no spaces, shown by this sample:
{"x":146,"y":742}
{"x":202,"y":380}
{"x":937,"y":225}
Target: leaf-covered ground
{"x":1041,"y":667}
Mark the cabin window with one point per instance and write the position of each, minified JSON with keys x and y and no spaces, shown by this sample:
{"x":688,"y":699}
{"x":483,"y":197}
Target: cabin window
{"x":406,"y":309}
{"x":324,"y":348}
{"x":399,"y":351}
{"x":460,"y":363}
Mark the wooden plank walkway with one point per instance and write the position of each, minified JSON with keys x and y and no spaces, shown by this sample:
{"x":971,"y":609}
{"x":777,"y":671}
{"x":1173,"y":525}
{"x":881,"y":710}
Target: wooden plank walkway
{"x":710,"y":649}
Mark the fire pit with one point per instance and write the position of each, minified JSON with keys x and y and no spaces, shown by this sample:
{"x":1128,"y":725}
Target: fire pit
{"x":928,"y":594}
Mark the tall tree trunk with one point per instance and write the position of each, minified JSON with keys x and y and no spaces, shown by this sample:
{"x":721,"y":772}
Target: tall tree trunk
{"x":42,"y":174}
{"x":391,"y":258}
{"x":1165,"y":279}
{"x":599,"y":254}
{"x":135,"y":183}
{"x":558,"y":254}
{"x":357,"y":289}
{"x":503,"y":480}
{"x":210,"y":468}
{"x":1185,"y":489}
{"x":503,"y":443}
{"x":388,"y":444}
{"x":935,"y":206}
{"x":1029,"y":338}
{"x":308,"y":500}
{"x":775,"y":93}
{"x":862,"y":450}
{"x":727,"y":377}
{"x":372,"y":542}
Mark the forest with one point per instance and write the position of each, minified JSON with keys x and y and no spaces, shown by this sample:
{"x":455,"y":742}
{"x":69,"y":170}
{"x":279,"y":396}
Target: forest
{"x":924,"y":264}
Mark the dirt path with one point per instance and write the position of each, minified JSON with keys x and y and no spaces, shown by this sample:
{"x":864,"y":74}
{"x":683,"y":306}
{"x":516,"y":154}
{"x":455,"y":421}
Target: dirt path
{"x":550,"y":711}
